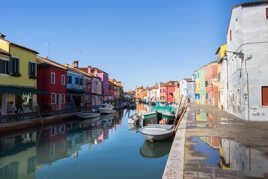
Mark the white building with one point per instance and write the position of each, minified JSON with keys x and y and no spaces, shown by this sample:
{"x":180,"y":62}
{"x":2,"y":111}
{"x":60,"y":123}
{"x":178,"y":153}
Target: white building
{"x":247,"y":42}
{"x":187,"y":89}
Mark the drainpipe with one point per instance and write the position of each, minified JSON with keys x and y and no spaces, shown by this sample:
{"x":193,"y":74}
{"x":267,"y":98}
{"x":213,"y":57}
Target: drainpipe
{"x":243,"y":57}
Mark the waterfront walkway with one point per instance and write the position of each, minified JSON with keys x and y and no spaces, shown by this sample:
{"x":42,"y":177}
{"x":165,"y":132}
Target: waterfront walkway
{"x":214,"y":144}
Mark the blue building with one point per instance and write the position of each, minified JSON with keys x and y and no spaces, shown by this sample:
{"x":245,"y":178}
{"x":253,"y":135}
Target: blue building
{"x":75,"y":88}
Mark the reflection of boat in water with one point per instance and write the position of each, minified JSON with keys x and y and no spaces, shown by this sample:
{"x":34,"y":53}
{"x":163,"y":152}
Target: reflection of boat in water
{"x":106,"y":109}
{"x":87,"y":115}
{"x":155,"y":150}
{"x":156,"y":132}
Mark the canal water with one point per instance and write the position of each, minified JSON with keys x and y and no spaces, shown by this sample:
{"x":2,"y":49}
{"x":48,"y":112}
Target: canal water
{"x":106,"y":148}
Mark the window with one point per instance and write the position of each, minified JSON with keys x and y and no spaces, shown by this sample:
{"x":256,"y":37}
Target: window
{"x":53,"y":98}
{"x":230,"y":35}
{"x":62,"y":79}
{"x":266,"y":13}
{"x":77,"y":81}
{"x":264,"y":94}
{"x":81,"y":81}
{"x":63,"y":99}
{"x":69,"y":79}
{"x":14,"y":67}
{"x":206,"y":83}
{"x":32,"y":70}
{"x":162,"y":98}
{"x":3,"y":67}
{"x":53,"y":80}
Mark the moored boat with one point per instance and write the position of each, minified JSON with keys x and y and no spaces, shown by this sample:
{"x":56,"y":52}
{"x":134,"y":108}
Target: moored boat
{"x":106,"y":109}
{"x":156,"y":132}
{"x":149,"y":115}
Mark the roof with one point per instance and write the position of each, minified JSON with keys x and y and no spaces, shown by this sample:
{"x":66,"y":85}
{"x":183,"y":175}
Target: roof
{"x":98,"y":70}
{"x":188,"y":79}
{"x":4,"y":52}
{"x":249,"y":4}
{"x":246,"y":4}
{"x":20,"y":46}
{"x":215,"y":61}
{"x":42,"y":60}
{"x":79,"y":71}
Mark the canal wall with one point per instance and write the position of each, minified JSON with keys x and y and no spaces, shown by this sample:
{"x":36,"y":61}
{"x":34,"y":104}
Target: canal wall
{"x":175,"y":164}
{"x":19,"y":125}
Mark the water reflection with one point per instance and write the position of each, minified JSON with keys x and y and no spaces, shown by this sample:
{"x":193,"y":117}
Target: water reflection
{"x":228,"y":154}
{"x":81,"y":149}
{"x":23,"y":153}
{"x":156,"y":149}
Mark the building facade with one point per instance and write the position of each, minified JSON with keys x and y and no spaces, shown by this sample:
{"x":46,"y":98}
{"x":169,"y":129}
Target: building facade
{"x":52,"y":79}
{"x":187,"y":89}
{"x":247,"y":61}
{"x":18,"y":77}
{"x":75,"y":88}
{"x":212,"y":83}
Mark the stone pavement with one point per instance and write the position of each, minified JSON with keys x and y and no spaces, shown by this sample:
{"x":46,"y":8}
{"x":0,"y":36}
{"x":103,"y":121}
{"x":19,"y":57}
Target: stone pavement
{"x":215,"y":144}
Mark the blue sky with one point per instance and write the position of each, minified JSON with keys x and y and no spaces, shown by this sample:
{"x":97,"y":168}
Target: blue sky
{"x":139,"y":42}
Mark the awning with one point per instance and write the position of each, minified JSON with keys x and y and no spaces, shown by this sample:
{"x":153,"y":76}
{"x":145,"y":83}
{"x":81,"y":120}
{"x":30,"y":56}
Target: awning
{"x":20,"y":90}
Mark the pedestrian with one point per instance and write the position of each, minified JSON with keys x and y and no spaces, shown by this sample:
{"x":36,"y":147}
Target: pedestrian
{"x":18,"y":104}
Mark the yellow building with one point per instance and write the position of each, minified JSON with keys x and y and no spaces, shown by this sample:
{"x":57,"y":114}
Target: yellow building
{"x":17,"y":76}
{"x":221,"y":53}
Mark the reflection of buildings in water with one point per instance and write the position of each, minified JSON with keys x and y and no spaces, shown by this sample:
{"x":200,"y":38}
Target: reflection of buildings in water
{"x":18,"y":162}
{"x":52,"y":144}
{"x":22,"y":154}
{"x":249,"y":161}
{"x":140,"y":108}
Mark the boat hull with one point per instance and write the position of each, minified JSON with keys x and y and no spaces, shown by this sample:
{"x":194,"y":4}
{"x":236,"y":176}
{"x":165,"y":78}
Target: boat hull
{"x":157,"y":132}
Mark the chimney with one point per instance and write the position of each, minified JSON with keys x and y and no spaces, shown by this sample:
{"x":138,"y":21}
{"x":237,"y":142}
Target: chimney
{"x":75,"y":64}
{"x":2,"y":36}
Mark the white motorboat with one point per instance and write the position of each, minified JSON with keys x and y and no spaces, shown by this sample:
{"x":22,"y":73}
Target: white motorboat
{"x":106,"y":109}
{"x":87,"y":115}
{"x":156,"y":132}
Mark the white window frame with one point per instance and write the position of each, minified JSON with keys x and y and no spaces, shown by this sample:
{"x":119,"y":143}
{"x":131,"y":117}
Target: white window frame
{"x":55,"y":102}
{"x":63,"y":79}
{"x":53,"y":81}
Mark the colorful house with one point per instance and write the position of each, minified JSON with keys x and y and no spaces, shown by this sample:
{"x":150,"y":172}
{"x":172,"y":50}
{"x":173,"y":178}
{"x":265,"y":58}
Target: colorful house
{"x":104,"y":79}
{"x":75,"y":87}
{"x":212,"y":83}
{"x":52,"y":78}
{"x":222,"y":76}
{"x":96,"y":93}
{"x":197,"y":86}
{"x":202,"y":85}
{"x":18,"y":77}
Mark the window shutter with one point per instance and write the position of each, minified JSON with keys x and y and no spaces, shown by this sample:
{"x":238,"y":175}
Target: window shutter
{"x":266,"y":13}
{"x":265,"y":95}
{"x":35,"y":69}
{"x":29,"y":69}
{"x":17,"y":66}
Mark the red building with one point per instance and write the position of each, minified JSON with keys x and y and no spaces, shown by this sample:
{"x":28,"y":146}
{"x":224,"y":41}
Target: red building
{"x":211,"y":83}
{"x":52,"y":79}
{"x":167,"y":91}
